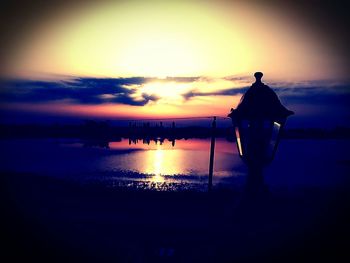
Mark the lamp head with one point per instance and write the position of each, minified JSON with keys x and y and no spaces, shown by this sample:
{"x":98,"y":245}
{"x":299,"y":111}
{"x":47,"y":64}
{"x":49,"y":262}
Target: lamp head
{"x":258,"y":76}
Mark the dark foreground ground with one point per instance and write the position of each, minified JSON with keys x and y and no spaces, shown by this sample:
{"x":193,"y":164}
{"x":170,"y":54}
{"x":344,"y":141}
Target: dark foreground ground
{"x":49,"y":220}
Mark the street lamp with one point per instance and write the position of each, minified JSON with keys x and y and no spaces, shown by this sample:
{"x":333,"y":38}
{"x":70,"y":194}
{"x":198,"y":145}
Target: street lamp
{"x":258,"y":121}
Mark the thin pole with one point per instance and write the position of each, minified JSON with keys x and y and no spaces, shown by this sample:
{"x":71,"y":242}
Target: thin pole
{"x":211,"y":159}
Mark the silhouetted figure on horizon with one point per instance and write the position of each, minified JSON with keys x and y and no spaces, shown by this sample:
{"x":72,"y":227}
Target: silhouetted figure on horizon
{"x":260,"y":102}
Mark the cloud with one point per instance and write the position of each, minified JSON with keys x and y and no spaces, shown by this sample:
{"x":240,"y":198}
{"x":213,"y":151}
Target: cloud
{"x":315,"y":95}
{"x":239,"y":79}
{"x":180,"y":79}
{"x":225,"y":92}
{"x":84,"y":90}
{"x":307,"y":92}
{"x":78,"y":90}
{"x":128,"y":91}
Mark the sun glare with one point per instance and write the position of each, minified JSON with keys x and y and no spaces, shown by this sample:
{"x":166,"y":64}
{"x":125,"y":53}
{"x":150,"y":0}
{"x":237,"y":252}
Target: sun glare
{"x":166,"y":91}
{"x":171,"y":38}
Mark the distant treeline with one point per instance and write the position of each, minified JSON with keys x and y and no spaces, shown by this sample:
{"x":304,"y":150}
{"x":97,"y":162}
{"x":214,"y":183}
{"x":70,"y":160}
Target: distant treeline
{"x":105,"y":131}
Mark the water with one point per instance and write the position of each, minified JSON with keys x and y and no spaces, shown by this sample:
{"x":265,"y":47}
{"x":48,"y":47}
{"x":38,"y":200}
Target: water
{"x":321,"y":163}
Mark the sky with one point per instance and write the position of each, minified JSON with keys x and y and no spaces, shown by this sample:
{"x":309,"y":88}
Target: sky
{"x":161,"y":59}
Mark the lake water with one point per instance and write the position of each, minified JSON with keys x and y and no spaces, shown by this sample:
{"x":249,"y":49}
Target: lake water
{"x":163,"y":166}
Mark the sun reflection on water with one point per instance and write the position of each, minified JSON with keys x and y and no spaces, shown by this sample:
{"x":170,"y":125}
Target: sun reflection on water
{"x":161,"y":165}
{"x":157,"y":165}
{"x":162,"y":162}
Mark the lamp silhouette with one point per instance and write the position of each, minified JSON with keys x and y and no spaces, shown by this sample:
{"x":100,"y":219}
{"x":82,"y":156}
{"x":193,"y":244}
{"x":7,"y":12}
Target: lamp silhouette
{"x":258,"y":121}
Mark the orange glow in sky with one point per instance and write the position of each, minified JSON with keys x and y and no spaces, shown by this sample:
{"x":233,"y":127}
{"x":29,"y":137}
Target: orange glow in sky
{"x":208,"y":39}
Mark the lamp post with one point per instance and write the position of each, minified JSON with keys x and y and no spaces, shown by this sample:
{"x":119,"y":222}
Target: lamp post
{"x":258,"y":121}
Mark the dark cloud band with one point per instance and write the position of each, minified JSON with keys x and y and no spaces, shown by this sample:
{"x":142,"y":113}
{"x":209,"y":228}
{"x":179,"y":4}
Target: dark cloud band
{"x":126,"y":91}
{"x":79,"y":90}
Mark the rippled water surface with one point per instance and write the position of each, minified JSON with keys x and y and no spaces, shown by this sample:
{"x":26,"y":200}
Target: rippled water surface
{"x":165,"y":166}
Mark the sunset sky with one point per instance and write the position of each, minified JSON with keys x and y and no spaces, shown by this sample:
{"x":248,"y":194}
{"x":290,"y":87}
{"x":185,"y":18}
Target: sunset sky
{"x":143,"y":59}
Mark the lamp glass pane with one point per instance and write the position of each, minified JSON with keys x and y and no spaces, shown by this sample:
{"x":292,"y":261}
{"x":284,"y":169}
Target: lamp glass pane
{"x":273,"y":140}
{"x":239,"y":143}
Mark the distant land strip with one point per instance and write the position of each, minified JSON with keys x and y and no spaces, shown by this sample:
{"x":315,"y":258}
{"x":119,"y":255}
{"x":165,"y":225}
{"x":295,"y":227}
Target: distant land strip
{"x":106,"y":132}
